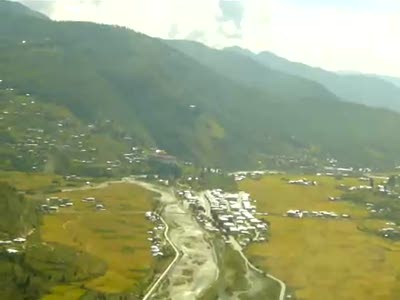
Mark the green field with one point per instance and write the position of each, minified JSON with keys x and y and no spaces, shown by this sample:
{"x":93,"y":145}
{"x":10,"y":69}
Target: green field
{"x":320,"y":258}
{"x":32,"y":182}
{"x":117,"y":236}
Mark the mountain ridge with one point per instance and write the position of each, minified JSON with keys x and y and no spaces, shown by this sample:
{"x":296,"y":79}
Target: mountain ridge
{"x":373,"y":91}
{"x":16,"y":8}
{"x":165,"y":98}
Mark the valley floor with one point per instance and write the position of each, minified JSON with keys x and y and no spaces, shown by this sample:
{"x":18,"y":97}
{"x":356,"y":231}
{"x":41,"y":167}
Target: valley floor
{"x":88,"y":252}
{"x":318,"y":257}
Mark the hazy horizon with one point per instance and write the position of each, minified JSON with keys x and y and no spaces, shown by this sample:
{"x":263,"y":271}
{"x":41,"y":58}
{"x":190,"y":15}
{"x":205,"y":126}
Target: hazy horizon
{"x":355,"y":35}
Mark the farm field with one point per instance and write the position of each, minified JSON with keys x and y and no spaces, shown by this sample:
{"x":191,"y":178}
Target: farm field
{"x":116,"y":236}
{"x":31,"y":181}
{"x":275,"y":196}
{"x":321,"y":258}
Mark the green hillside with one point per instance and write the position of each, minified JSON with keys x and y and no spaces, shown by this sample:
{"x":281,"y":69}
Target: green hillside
{"x":37,"y":136}
{"x":165,"y":98}
{"x":18,"y":215}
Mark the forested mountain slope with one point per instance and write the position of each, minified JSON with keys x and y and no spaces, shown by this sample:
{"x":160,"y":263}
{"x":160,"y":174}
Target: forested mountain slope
{"x":246,"y":70}
{"x":166,"y":98}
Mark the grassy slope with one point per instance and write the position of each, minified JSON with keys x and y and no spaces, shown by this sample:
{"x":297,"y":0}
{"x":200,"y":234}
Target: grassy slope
{"x":323,"y":257}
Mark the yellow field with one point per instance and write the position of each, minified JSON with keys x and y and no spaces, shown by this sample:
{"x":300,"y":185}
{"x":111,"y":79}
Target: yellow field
{"x":65,"y":292}
{"x":118,"y":236}
{"x":319,"y":258}
{"x":275,"y":195}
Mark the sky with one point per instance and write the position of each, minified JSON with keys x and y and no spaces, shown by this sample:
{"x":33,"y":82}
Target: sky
{"x":346,"y":35}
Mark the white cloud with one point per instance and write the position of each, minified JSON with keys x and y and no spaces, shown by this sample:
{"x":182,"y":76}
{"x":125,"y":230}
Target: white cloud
{"x":355,"y":35}
{"x":337,"y":38}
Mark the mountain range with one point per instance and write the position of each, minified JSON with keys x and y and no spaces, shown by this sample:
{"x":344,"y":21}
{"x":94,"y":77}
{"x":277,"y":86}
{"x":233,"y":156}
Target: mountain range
{"x":229,"y":108}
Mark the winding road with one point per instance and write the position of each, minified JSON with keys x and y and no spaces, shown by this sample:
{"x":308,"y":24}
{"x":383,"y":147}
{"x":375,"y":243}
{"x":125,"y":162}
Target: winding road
{"x":155,"y":285}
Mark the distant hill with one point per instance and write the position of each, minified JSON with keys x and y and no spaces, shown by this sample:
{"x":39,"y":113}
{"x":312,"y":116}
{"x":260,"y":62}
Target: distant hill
{"x":357,"y":88}
{"x":246,"y":70}
{"x":394,"y":80}
{"x":163,"y":96}
{"x":15,"y":8}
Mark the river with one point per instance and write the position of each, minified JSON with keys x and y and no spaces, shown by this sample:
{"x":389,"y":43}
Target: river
{"x":197,"y":268}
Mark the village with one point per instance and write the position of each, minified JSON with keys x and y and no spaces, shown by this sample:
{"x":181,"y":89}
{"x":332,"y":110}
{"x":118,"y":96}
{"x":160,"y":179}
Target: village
{"x":233,"y":215}
{"x":47,"y":130}
{"x":156,"y":235}
{"x":13,"y":246}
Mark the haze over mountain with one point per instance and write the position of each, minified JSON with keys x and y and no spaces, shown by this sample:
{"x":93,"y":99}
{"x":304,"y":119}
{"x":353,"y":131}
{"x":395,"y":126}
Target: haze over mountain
{"x":212,"y":107}
{"x":364,"y":40}
{"x":16,"y":8}
{"x":357,"y":88}
{"x":394,"y":80}
{"x":245,"y":70}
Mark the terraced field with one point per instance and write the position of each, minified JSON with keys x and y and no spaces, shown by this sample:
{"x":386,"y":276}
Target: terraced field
{"x":117,"y":236}
{"x":321,"y":258}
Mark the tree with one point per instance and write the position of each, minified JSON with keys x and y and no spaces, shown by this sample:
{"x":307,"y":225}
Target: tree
{"x":392,"y":181}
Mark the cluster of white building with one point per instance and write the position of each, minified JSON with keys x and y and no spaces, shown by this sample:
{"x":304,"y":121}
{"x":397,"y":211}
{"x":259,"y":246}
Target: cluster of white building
{"x":135,"y":156}
{"x":239,"y":176}
{"x":53,"y":204}
{"x":297,"y":213}
{"x":333,"y":170}
{"x":98,"y":205}
{"x":390,"y":232}
{"x":385,"y":190}
{"x":37,"y":142}
{"x":303,"y":181}
{"x":234,"y":214}
{"x":155,"y":234}
{"x":360,"y":187}
{"x":8,"y":243}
